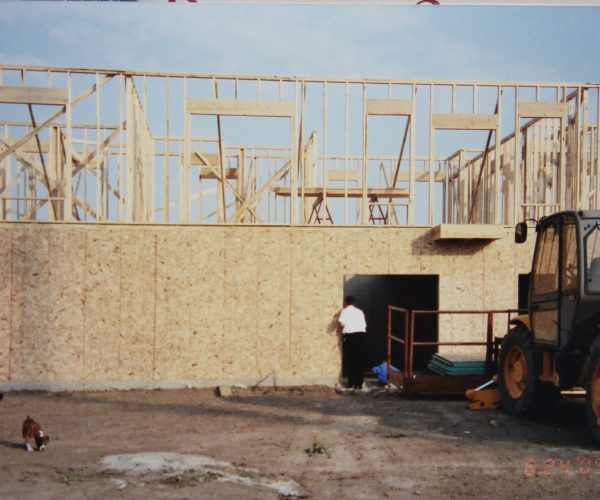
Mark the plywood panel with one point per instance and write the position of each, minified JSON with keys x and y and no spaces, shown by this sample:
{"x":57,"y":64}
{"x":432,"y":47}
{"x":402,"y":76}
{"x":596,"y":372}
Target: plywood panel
{"x":5,"y":302}
{"x":274,"y":288}
{"x":466,"y":292}
{"x":308,"y":319}
{"x":241,"y":303}
{"x":231,"y":303}
{"x":372,"y":251}
{"x":30,"y":303}
{"x":137,"y":308}
{"x":67,"y":303}
{"x":102,"y":304}
{"x":172,"y":299}
{"x":207,"y":314}
{"x":405,"y":251}
{"x":499,"y":275}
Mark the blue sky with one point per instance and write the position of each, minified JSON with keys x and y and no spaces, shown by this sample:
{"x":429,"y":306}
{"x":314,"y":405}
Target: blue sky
{"x":440,"y":43}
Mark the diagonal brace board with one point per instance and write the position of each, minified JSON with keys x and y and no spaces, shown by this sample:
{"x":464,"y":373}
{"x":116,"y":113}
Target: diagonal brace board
{"x":277,"y":176}
{"x":54,"y":117}
{"x":226,"y":184}
{"x":52,"y":183}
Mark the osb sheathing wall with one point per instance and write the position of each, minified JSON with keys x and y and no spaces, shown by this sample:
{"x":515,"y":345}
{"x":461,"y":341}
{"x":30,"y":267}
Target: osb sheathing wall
{"x":136,"y":306}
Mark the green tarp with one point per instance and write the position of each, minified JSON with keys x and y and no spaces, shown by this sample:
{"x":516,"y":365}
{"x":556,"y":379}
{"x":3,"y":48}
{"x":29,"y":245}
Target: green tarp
{"x":455,"y":365}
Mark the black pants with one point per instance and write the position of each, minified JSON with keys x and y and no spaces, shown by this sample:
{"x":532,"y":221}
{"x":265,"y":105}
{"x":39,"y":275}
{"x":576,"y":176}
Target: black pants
{"x":354,"y":350}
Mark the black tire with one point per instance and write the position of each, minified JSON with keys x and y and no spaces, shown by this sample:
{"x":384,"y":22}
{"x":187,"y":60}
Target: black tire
{"x":592,"y":391}
{"x":519,"y":369}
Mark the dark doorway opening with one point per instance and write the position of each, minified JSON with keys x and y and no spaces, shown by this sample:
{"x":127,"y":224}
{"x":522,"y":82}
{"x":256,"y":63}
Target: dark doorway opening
{"x":375,"y":292}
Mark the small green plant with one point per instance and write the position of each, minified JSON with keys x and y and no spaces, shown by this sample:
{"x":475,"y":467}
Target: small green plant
{"x":317,"y":449}
{"x":68,"y":476}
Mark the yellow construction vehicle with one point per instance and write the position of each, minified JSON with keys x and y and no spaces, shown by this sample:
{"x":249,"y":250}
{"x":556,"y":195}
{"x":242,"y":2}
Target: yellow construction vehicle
{"x":556,"y":345}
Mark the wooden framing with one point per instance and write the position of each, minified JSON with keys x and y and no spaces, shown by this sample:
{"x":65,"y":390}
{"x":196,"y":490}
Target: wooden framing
{"x":370,"y":201}
{"x":33,"y":95}
{"x":342,"y":193}
{"x":389,"y":107}
{"x":115,"y":160}
{"x":465,"y":122}
{"x":228,"y":107}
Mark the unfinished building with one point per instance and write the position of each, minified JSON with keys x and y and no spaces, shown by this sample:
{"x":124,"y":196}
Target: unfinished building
{"x":161,"y":229}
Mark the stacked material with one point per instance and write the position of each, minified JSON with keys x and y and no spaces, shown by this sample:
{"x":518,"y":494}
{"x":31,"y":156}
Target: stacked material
{"x":455,"y":365}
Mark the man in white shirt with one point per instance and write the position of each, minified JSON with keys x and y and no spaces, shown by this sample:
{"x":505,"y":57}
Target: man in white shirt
{"x":354,"y":339}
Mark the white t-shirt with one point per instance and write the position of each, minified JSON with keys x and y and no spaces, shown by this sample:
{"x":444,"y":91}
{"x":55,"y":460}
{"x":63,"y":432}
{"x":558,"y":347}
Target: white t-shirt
{"x":353,"y":320}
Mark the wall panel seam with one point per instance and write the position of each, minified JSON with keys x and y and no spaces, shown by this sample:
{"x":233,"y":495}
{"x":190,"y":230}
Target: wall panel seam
{"x":154,"y":307}
{"x":120,"y":304}
{"x":85,"y":304}
{"x":10,"y":336}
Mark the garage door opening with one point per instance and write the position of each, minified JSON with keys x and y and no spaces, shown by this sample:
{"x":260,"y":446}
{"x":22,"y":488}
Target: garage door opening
{"x":375,"y":292}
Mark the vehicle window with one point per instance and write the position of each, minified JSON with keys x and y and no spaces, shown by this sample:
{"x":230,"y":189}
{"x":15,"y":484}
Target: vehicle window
{"x":569,"y":244}
{"x":592,"y":258}
{"x":545,"y":276}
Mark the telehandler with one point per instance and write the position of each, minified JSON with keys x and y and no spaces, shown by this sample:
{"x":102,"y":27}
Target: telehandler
{"x":556,"y":345}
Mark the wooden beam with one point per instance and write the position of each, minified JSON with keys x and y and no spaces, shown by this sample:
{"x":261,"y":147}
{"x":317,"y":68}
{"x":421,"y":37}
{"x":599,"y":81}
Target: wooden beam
{"x":402,"y":176}
{"x":342,"y":175}
{"x":239,"y":107}
{"x":42,"y":161}
{"x":399,"y":162}
{"x":421,"y":176}
{"x":465,"y":122}
{"x":33,"y":95}
{"x":364,"y":218}
{"x":30,"y":146}
{"x":223,"y":204}
{"x":389,"y":107}
{"x":85,"y":207}
{"x":207,"y":173}
{"x":431,"y":159}
{"x":410,"y":211}
{"x":483,"y":162}
{"x":541,"y":110}
{"x":343,"y":192}
{"x":468,"y":232}
{"x":213,"y":158}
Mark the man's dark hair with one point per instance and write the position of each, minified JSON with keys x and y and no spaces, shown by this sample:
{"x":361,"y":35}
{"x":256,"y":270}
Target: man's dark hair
{"x":350,"y":300}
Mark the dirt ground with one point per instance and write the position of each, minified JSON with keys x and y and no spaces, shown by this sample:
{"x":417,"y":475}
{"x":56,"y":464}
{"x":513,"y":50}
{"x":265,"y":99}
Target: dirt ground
{"x":289,"y":442}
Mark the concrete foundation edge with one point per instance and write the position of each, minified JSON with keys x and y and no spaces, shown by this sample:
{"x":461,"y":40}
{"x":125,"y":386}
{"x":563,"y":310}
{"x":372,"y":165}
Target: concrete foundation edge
{"x":163,"y":384}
